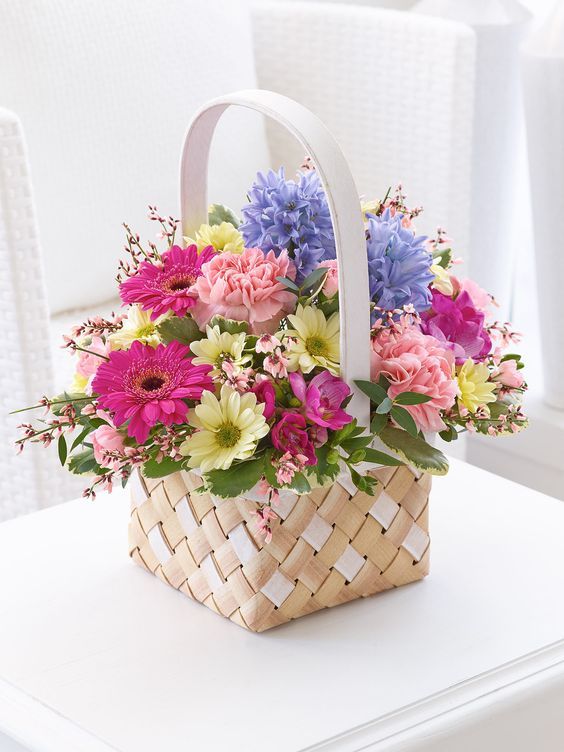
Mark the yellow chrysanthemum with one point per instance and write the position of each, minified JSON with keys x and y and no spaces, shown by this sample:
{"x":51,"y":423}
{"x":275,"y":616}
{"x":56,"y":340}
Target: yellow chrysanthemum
{"x":442,"y":281}
{"x":229,"y":428}
{"x":313,"y":341}
{"x":217,"y":347}
{"x":475,"y":389}
{"x":137,"y":326}
{"x":223,"y":237}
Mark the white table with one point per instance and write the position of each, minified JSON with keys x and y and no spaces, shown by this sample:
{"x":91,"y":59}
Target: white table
{"x":97,"y":655}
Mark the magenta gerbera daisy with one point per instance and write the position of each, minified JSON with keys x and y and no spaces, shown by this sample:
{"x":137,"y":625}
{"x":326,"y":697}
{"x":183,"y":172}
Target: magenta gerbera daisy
{"x":166,"y":288}
{"x":146,"y":386}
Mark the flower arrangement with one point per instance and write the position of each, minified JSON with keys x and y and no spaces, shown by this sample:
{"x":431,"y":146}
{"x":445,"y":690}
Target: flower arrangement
{"x":226,"y":357}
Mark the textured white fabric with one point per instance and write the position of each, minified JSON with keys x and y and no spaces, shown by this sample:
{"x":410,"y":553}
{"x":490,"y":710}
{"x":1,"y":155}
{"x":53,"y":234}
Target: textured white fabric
{"x":33,"y":479}
{"x":105,"y":91}
{"x":394,"y":88}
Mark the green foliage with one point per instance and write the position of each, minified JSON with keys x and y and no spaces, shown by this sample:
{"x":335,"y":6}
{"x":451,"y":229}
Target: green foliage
{"x":374,"y":391}
{"x":415,"y":451}
{"x":327,"y":468}
{"x":62,"y":449}
{"x":219,"y":213}
{"x":81,"y":463}
{"x":443,"y":257}
{"x":229,"y":325}
{"x":300,"y":484}
{"x":378,"y":422}
{"x":240,"y":477}
{"x":449,"y":434}
{"x":167,"y":466}
{"x":412,"y":398}
{"x":404,"y":419}
{"x":289,"y":284}
{"x":183,"y":330}
{"x":384,"y":407}
{"x":381,"y":458}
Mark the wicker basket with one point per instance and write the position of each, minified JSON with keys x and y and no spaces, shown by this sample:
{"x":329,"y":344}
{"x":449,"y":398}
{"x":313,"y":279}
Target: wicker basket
{"x":334,"y":544}
{"x":329,"y":547}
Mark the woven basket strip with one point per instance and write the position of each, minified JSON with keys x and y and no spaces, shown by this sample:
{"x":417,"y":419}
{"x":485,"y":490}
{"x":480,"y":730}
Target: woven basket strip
{"x":328,"y":547}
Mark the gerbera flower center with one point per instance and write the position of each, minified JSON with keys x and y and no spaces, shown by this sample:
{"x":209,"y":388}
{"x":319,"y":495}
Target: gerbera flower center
{"x":317,"y":346}
{"x":228,"y":435}
{"x":152,"y":382}
{"x":179,"y":282}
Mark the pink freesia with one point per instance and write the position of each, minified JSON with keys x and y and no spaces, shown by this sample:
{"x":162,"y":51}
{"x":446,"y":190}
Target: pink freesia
{"x":144,"y":386}
{"x":458,"y":325}
{"x":167,"y":288}
{"x":322,"y":398}
{"x":264,"y":390}
{"x":107,"y":439}
{"x":243,"y":286}
{"x":508,"y":375}
{"x":290,"y":435}
{"x":88,"y":363}
{"x":416,"y":362}
{"x":331,"y":284}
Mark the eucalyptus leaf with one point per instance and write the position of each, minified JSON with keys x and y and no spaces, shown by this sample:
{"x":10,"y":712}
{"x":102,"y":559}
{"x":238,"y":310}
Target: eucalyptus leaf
{"x":404,"y":419}
{"x":378,"y":422}
{"x":412,"y":398}
{"x":62,"y":449}
{"x":374,"y":391}
{"x":385,"y":406}
{"x":183,"y":330}
{"x":81,"y":436}
{"x":288,"y":283}
{"x":415,"y":451}
{"x":218,"y":213}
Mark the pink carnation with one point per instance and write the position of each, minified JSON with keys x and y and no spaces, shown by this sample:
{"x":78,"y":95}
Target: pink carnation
{"x":331,"y":284}
{"x":416,"y":362}
{"x":144,"y":386}
{"x":244,"y":287}
{"x":165,"y":288}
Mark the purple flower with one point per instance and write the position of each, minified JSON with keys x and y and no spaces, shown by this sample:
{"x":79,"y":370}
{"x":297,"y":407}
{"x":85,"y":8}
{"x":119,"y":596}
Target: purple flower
{"x":285,"y":214}
{"x":290,"y":435}
{"x":322,"y":398}
{"x":458,"y":325}
{"x":399,"y":265}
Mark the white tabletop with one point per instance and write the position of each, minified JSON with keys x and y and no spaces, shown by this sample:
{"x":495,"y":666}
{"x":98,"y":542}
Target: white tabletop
{"x":96,"y":654}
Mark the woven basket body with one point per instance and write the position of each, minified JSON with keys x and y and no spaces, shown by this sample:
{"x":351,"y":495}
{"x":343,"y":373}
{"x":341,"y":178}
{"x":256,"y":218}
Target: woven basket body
{"x":328,"y":547}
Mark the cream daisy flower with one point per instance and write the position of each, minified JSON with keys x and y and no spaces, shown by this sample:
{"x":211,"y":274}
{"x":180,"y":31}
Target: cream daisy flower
{"x":223,"y":237}
{"x":475,"y":388}
{"x":442,"y":281}
{"x":229,"y":428}
{"x":313,"y":341}
{"x":218,"y":347}
{"x":137,"y":326}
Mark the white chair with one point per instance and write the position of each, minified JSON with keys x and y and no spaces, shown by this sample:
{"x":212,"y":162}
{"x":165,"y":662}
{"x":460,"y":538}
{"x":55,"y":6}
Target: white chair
{"x":104,"y":92}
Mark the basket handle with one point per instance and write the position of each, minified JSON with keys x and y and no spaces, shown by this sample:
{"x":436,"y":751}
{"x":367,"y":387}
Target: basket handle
{"x":343,"y":200}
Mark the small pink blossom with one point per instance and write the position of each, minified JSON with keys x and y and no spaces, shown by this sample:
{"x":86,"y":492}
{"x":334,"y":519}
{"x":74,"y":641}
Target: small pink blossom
{"x":287,"y":466}
{"x":331,"y":284}
{"x":244,"y":287}
{"x":508,"y":375}
{"x":263,"y":517}
{"x":276,"y":364}
{"x":237,"y":377}
{"x":267,"y":343}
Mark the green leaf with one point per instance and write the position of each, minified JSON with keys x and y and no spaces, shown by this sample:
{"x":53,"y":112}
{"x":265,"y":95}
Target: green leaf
{"x":380,"y":458}
{"x":324,"y":470}
{"x":404,"y":419}
{"x":350,"y":429}
{"x":357,"y":442}
{"x":167,"y":466}
{"x":412,"y":398}
{"x":385,"y":406}
{"x":374,"y":391}
{"x":511,"y":356}
{"x":84,"y":462}
{"x":219,"y":213}
{"x":313,"y":279}
{"x":229,"y":325}
{"x":442,"y":256}
{"x":289,"y":284}
{"x":415,"y":451}
{"x":449,"y":434}
{"x":62,"y":448}
{"x":378,"y":423}
{"x":300,"y":484}
{"x":183,"y":330}
{"x":81,"y":436}
{"x":240,"y":477}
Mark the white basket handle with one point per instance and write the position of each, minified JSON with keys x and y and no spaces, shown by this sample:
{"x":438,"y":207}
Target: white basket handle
{"x":344,"y":207}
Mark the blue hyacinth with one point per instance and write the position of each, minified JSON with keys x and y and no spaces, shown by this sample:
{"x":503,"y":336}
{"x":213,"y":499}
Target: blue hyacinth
{"x":398,"y":264}
{"x":285,"y":214}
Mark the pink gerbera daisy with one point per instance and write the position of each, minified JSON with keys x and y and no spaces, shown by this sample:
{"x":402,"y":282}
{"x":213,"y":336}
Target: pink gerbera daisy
{"x":166,"y":288}
{"x":146,"y":386}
